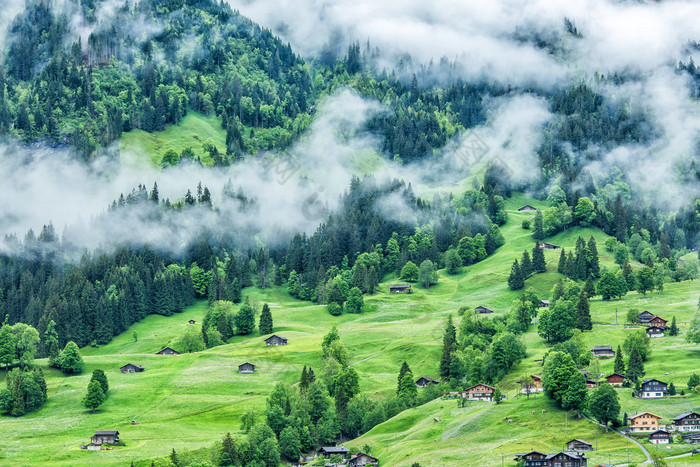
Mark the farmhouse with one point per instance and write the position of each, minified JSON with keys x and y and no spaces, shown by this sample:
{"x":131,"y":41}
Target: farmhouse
{"x":644,"y":421}
{"x":105,"y":437}
{"x":591,"y":383}
{"x":131,"y":368}
{"x":482,"y":309}
{"x":655,"y":331}
{"x":328,"y":451}
{"x":275,"y":340}
{"x":645,"y":316}
{"x":246,"y":368}
{"x":361,"y":459}
{"x":535,"y":386}
{"x":480,"y":392}
{"x":686,"y":422}
{"x":544,"y":303}
{"x":400,"y":288}
{"x":549,"y":246}
{"x":603,"y":351}
{"x":568,"y":459}
{"x":579,"y":445}
{"x":659,"y":437}
{"x":167,"y":351}
{"x":423,"y":381}
{"x":653,"y":388}
{"x":532,"y":459}
{"x":527,"y":207}
{"x":191,"y":321}
{"x":614,"y":379}
{"x":659,"y":322}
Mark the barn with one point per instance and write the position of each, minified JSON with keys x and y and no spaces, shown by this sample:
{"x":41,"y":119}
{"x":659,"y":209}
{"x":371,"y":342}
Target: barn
{"x":131,"y":368}
{"x":246,"y":368}
{"x":275,"y":340}
{"x":167,"y":351}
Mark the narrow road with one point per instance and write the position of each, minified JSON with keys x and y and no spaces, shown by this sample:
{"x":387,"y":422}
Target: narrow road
{"x":365,"y":359}
{"x":644,"y":450}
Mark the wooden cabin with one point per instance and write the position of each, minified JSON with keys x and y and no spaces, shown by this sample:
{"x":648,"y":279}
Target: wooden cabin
{"x":527,"y":208}
{"x":191,"y":321}
{"x":480,"y":392}
{"x":549,"y":246}
{"x":544,"y":303}
{"x":603,"y":351}
{"x":644,"y":421}
{"x":482,"y":309}
{"x":653,"y":389}
{"x":659,"y":437}
{"x":655,"y":331}
{"x":328,"y":451}
{"x":246,"y":368}
{"x":615,"y":379}
{"x":686,"y":422}
{"x":591,"y":383}
{"x":167,"y":351}
{"x":275,"y":340}
{"x":423,"y":381}
{"x":645,"y":316}
{"x":400,"y":288}
{"x":659,"y":322}
{"x":361,"y":459}
{"x":105,"y":437}
{"x":568,"y":459}
{"x":579,"y":445}
{"x":131,"y":368}
{"x":534,"y":386}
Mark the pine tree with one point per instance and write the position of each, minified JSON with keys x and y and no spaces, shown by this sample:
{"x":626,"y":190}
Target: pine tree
{"x":94,"y":397}
{"x":589,"y":287}
{"x":51,"y":344}
{"x":538,"y":262}
{"x":538,"y":230}
{"x":526,"y":265}
{"x":516,"y":280}
{"x":265,"y":324}
{"x":635,"y":366}
{"x":229,"y":456}
{"x":561,"y":267}
{"x":404,"y":369}
{"x":593,"y":264}
{"x":7,"y":345}
{"x":448,"y":342}
{"x":569,"y":267}
{"x":673,"y":330}
{"x":619,"y":362}
{"x":671,"y":389}
{"x":70,"y":360}
{"x":583,"y":313}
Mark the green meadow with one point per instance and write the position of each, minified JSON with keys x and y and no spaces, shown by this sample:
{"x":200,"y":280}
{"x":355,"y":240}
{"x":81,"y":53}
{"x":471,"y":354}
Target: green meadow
{"x":190,"y":401}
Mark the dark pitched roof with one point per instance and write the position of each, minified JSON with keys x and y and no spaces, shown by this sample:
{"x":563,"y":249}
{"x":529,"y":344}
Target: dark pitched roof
{"x":399,"y":286}
{"x":615,"y":374}
{"x":428,"y":378}
{"x":523,"y":454}
{"x":658,"y":432}
{"x":334,"y":449}
{"x":106,"y":433}
{"x":646,"y":313}
{"x":602,"y":347}
{"x":683,"y":415}
{"x":653,"y":379}
{"x":649,"y":328}
{"x":168,"y":348}
{"x":640,"y":414}
{"x":573,"y":455}
{"x":275,"y":335}
{"x":580,"y":441}
{"x":374,"y":459}
{"x":132,"y":364}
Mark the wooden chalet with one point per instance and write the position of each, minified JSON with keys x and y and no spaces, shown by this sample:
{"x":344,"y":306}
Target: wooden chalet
{"x":549,"y":246}
{"x":167,"y":351}
{"x":686,"y":422}
{"x":526,"y":208}
{"x":131,"y":368}
{"x":544,"y":303}
{"x":645,"y":316}
{"x":361,"y":459}
{"x":615,"y":379}
{"x":653,"y":389}
{"x":591,"y":383}
{"x":658,"y":321}
{"x":400,"y":288}
{"x":659,"y":437}
{"x":328,"y":451}
{"x":482,"y":309}
{"x":655,"y":331}
{"x":603,"y":351}
{"x":560,"y":459}
{"x":579,"y":445}
{"x":534,"y":386}
{"x":275,"y":340}
{"x":246,"y":368}
{"x":423,"y":381}
{"x":480,"y":392}
{"x":532,"y":459}
{"x":105,"y":437}
{"x":192,"y":322}
{"x":643,"y":422}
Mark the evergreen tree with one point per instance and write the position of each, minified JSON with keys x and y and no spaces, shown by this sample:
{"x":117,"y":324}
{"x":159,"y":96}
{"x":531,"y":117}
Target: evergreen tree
{"x":94,"y":397}
{"x":245,"y":319}
{"x":408,"y":391}
{"x":589,"y":287}
{"x":100,"y":376}
{"x":693,"y":381}
{"x":583,"y":313}
{"x":619,"y":362}
{"x":448,"y":342}
{"x":671,"y":389}
{"x":673,"y":330}
{"x":304,"y":380}
{"x":229,"y":455}
{"x":593,"y":263}
{"x":51,"y":345}
{"x":635,"y":366}
{"x":538,"y":230}
{"x":538,"y":262}
{"x":265,"y":323}
{"x":70,"y":360}
{"x":404,"y":369}
{"x":516,"y":280}
{"x":526,"y":265}
{"x":7,"y":345}
{"x":561,"y":267}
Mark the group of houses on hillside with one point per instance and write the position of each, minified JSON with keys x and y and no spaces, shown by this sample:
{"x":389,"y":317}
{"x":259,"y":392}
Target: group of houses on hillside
{"x":359,"y":459}
{"x":656,"y":325}
{"x":559,"y":459}
{"x":687,"y":424}
{"x":478,"y":392}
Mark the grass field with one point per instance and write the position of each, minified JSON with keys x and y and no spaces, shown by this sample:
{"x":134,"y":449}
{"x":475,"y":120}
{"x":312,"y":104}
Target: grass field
{"x":142,"y":148}
{"x":188,"y":402}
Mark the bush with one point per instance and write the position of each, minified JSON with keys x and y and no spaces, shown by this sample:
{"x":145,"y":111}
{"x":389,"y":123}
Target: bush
{"x":334,"y":309}
{"x":526,"y":224}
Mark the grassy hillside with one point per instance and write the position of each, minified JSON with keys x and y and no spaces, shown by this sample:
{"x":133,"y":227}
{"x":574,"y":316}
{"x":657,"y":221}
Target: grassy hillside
{"x":141,"y":147}
{"x":189,"y":401}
